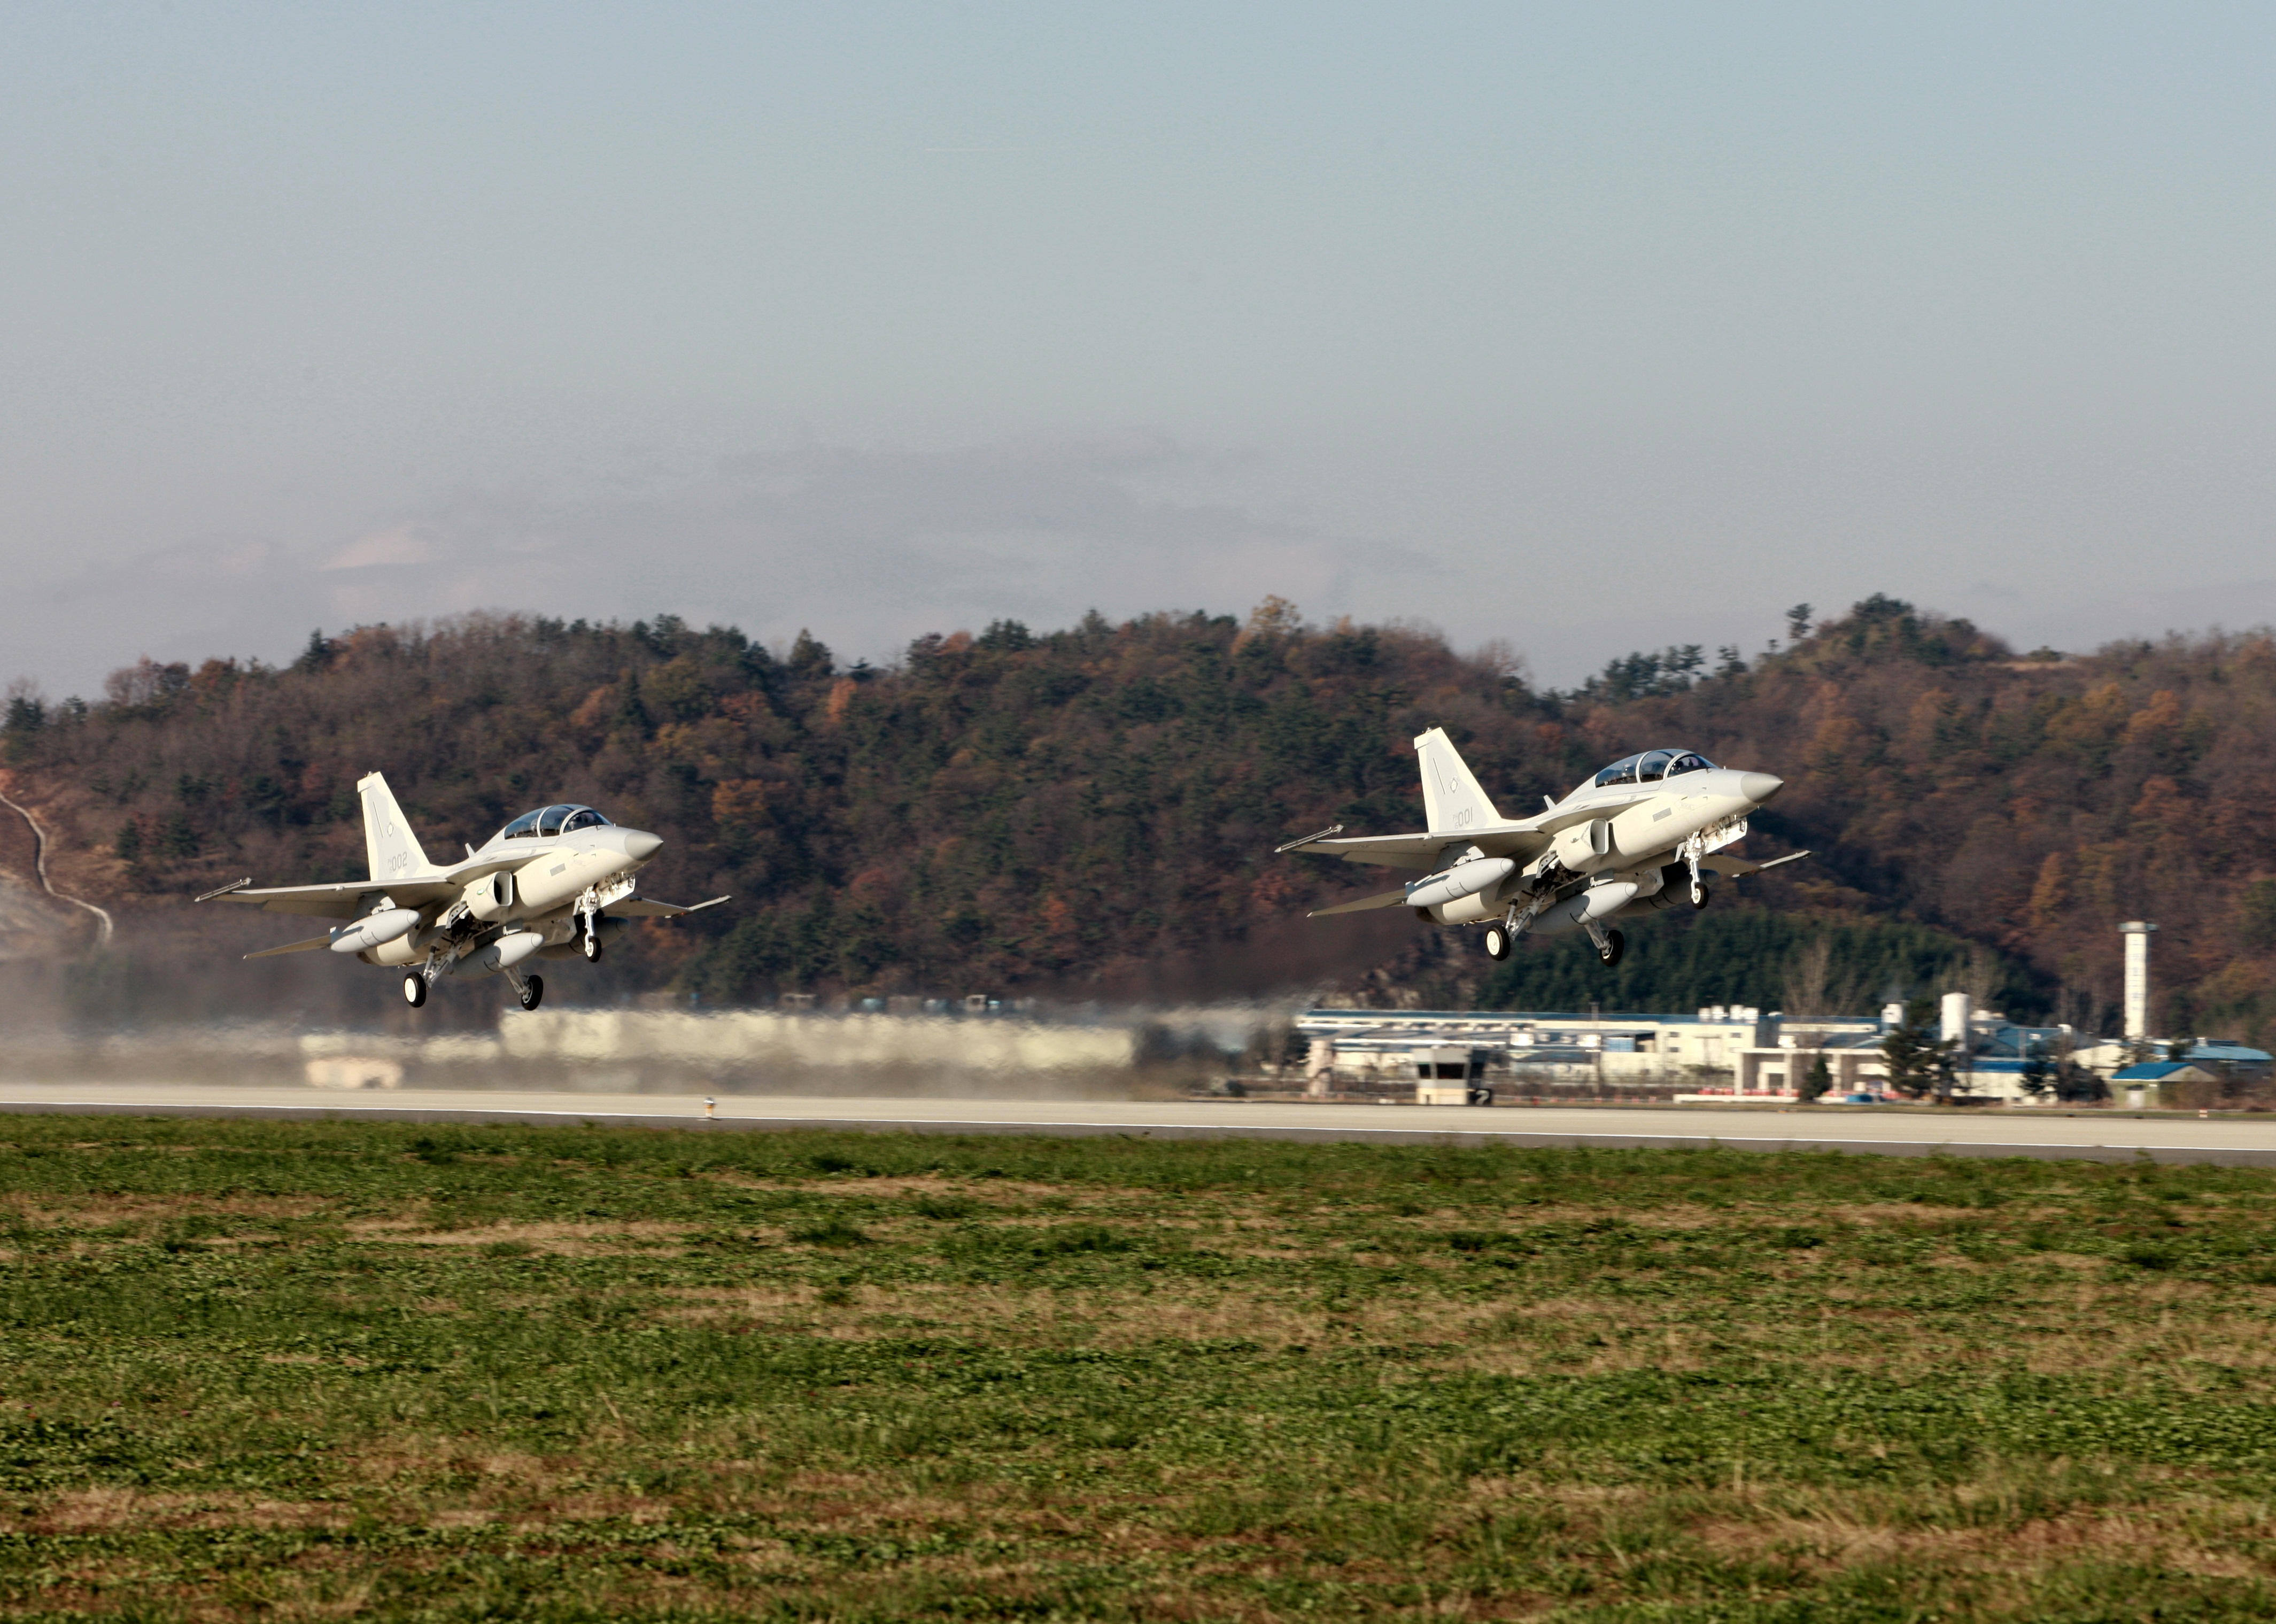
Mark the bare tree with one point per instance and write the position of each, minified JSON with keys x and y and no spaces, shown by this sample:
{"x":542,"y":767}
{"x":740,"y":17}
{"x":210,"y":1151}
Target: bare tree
{"x":1980,"y":977}
{"x":1809,"y":979}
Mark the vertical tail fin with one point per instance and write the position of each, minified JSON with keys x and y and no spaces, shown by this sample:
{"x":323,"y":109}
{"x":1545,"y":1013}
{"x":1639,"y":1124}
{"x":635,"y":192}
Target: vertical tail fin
{"x":1451,"y":796}
{"x":389,"y":845}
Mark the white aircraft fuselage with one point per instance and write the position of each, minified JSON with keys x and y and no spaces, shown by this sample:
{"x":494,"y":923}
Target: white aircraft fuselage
{"x":555,"y":882}
{"x":1611,"y":846}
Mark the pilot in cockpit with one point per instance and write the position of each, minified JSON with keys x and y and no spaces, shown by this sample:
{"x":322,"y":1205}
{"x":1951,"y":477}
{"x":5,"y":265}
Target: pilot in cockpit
{"x":1649,"y":767}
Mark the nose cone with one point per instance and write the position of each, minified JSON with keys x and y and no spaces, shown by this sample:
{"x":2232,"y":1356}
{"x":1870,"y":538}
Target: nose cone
{"x":639,"y":846}
{"x":1760,"y":786}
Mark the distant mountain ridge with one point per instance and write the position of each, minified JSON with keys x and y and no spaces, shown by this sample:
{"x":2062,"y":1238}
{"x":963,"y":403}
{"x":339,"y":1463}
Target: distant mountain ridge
{"x":1095,"y":808}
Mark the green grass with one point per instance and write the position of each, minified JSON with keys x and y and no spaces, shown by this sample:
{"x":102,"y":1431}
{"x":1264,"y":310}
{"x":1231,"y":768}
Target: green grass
{"x":286,"y":1371}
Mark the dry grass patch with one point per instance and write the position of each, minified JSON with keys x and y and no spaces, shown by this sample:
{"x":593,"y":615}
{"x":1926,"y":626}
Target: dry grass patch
{"x":557,"y":1239}
{"x":110,"y":1210}
{"x":108,"y":1510}
{"x":1831,"y":1543}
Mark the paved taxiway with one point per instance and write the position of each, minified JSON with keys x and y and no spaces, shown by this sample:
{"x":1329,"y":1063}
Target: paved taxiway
{"x":2101,"y":1135}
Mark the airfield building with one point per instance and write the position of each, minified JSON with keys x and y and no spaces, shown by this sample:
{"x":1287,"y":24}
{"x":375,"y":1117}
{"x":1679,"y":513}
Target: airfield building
{"x":1733,"y":1052}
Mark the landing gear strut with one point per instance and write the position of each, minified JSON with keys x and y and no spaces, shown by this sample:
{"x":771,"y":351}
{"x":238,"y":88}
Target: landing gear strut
{"x":589,"y":936}
{"x":414,"y":989}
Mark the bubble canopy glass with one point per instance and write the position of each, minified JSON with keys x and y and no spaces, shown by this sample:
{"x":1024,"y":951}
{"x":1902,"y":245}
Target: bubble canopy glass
{"x":1649,"y":767}
{"x":555,"y":820}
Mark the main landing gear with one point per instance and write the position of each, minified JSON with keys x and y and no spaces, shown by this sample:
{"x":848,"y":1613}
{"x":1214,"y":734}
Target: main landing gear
{"x":1496,"y":943}
{"x":414,"y":989}
{"x":532,"y":992}
{"x":1611,"y":947}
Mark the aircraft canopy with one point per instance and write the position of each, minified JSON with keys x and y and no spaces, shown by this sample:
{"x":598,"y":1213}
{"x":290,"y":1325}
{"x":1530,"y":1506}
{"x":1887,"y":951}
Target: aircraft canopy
{"x":556,"y":820}
{"x":1649,"y":767}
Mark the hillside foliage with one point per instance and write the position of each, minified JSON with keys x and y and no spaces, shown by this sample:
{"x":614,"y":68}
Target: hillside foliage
{"x":1078,"y":809}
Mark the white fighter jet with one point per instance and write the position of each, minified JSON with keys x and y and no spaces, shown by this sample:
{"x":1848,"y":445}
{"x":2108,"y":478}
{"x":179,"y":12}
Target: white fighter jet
{"x":1622,"y":843}
{"x":553,"y":883}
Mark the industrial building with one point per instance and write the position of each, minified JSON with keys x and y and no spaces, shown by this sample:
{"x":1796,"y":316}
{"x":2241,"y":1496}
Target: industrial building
{"x":1723,"y":1052}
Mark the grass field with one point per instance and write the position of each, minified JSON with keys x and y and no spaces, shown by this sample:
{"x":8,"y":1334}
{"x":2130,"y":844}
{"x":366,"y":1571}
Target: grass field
{"x":284,"y":1371}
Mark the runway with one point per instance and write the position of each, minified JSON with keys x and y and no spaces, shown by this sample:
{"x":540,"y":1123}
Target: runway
{"x":1879,"y":1131}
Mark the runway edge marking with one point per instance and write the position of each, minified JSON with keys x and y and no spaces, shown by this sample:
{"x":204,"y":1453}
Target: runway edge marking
{"x":2217,"y":1155}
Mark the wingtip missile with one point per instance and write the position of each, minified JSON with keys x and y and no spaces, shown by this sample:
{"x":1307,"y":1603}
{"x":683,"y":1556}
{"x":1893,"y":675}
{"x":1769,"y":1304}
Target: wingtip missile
{"x":1332,"y":828}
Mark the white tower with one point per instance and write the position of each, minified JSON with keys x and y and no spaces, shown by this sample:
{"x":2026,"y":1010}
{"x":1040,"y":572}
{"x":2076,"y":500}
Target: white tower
{"x":1958,"y":1011}
{"x":2137,"y":978}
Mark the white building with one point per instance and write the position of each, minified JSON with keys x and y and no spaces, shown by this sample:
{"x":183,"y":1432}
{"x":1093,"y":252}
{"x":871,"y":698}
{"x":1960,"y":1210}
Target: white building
{"x":1525,"y":1049}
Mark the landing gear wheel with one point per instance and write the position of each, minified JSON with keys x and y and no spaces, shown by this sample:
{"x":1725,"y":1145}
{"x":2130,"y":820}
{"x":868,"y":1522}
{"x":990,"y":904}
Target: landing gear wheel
{"x":532,"y":992}
{"x":1699,"y":894}
{"x":1497,"y":944}
{"x":414,"y":989}
{"x":1615,"y":944}
{"x":590,"y":946}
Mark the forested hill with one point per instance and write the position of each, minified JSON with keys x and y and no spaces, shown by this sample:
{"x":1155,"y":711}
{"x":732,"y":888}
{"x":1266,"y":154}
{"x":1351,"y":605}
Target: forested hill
{"x":1095,"y":807}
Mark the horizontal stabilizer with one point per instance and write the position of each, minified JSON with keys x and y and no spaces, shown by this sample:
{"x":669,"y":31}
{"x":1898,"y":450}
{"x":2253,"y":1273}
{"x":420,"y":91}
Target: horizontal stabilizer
{"x":313,"y":943}
{"x":1382,"y":899}
{"x":649,"y":907}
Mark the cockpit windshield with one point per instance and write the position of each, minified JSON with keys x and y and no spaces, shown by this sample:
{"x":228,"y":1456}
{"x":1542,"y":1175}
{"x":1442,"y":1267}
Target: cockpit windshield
{"x":1649,"y":767}
{"x":557,"y":819}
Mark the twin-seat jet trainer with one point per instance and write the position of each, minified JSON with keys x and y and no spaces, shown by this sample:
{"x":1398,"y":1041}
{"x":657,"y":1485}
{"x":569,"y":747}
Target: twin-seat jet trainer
{"x":553,"y":883}
{"x":1617,"y":846}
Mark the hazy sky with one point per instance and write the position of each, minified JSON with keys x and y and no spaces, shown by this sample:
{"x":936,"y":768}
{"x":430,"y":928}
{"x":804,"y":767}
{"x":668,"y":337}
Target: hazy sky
{"x":1588,"y":327}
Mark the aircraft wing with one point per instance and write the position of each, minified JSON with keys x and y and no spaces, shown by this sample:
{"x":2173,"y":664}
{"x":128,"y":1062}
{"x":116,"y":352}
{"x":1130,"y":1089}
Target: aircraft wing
{"x":1421,"y":851}
{"x":649,"y":907}
{"x":292,"y":947}
{"x":1382,"y":899}
{"x":466,"y":873}
{"x":1390,"y":851}
{"x":339,"y":901}
{"x":344,"y":900}
{"x":1739,"y":867}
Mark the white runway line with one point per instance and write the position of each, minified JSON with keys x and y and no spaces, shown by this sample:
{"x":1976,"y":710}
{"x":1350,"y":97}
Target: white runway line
{"x":2098,"y":1135}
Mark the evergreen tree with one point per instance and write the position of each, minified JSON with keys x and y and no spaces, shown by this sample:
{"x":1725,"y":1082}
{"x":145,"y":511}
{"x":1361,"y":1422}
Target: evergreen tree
{"x":317,"y":656}
{"x":2040,"y":1072}
{"x":1919,"y":1063}
{"x":810,"y":657}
